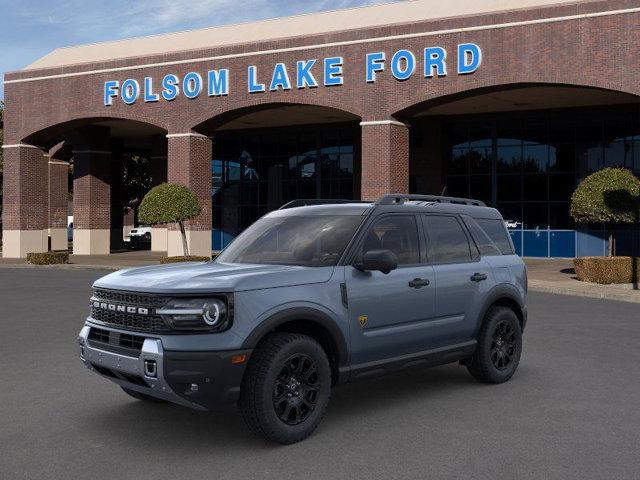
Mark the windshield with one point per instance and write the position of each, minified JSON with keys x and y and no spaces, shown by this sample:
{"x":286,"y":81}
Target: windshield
{"x":310,"y":241}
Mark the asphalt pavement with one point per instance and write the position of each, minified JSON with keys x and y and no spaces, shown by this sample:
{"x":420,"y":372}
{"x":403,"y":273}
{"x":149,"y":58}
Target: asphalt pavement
{"x":570,"y":412}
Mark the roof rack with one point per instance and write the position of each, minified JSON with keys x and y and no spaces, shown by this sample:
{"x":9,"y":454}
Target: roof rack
{"x":304,"y":202}
{"x":393,"y":199}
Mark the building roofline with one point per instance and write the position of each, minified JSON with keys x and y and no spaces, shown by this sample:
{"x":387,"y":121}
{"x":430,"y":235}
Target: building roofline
{"x":282,"y":28}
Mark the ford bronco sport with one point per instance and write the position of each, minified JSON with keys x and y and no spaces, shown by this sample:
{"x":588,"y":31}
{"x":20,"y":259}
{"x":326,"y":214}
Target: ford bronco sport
{"x":310,"y":296}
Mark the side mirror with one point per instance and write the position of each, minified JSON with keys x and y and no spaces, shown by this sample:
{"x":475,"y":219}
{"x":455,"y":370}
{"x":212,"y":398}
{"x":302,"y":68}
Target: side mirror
{"x":378,"y":260}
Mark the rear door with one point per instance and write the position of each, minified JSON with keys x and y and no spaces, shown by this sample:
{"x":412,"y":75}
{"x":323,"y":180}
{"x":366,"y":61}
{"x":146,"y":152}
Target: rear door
{"x":461,"y":277}
{"x":390,"y":313}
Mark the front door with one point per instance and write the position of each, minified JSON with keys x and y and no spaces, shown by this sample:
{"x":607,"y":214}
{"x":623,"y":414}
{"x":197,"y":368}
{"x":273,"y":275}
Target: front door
{"x":390,"y":313}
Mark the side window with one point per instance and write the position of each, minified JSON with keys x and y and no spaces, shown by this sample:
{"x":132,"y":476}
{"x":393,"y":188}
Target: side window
{"x":497,"y":231}
{"x":480,"y":237}
{"x":448,"y":242}
{"x":396,"y":233}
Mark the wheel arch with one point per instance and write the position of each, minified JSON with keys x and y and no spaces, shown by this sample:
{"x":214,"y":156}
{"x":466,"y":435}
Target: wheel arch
{"x":504,"y":296}
{"x":308,"y":321}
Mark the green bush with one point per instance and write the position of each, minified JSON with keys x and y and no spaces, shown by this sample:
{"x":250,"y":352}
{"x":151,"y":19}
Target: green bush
{"x":191,"y":258}
{"x":607,"y":270}
{"x":170,"y":203}
{"x":611,"y":195}
{"x":48,"y":258}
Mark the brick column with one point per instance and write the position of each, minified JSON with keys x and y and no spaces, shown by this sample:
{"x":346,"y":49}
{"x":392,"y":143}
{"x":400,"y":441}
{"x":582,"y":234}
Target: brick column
{"x":158,"y":175}
{"x":58,"y":191}
{"x":385,"y":158}
{"x":189,"y":164}
{"x":25,"y":212}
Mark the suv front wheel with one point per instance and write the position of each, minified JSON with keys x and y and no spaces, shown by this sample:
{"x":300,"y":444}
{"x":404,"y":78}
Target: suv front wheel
{"x":286,"y":387}
{"x":499,"y":347}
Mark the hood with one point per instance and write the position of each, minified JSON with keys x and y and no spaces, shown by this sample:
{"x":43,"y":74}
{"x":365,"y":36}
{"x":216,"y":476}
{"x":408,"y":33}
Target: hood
{"x":203,"y":277}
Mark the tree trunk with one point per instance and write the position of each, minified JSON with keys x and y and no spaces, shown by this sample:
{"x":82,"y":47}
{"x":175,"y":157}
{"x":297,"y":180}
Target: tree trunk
{"x":610,"y":253}
{"x":185,"y":247}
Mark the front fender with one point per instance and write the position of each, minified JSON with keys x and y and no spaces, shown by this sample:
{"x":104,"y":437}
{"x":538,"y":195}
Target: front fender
{"x":310,"y":312}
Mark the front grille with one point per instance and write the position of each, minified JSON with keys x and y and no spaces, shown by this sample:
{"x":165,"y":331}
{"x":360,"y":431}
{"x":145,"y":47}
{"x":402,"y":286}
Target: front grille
{"x":127,"y":320}
{"x":130,"y":298}
{"x":116,"y":342}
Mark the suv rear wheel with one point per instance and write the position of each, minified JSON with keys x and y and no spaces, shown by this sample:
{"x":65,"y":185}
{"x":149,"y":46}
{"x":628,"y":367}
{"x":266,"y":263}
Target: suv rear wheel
{"x":286,"y":387}
{"x":499,"y":347}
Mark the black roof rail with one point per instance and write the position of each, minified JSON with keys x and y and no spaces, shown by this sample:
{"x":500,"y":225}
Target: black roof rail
{"x":305,"y":202}
{"x":393,"y":199}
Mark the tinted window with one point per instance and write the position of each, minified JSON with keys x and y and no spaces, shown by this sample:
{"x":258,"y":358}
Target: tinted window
{"x":447,"y":241}
{"x":497,"y":232}
{"x":396,"y":233}
{"x":480,"y":237}
{"x":312,"y":241}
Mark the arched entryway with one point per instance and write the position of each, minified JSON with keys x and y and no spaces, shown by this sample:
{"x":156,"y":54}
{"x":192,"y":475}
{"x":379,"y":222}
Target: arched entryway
{"x":113,"y":162}
{"x":523,"y":149}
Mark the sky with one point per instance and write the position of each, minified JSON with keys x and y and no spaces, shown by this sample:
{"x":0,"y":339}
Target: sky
{"x":29,"y":29}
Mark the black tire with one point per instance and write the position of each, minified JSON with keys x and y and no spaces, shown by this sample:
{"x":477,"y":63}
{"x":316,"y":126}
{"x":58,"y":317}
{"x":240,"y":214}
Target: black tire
{"x":286,"y":388}
{"x":141,"y":396}
{"x":499,"y":347}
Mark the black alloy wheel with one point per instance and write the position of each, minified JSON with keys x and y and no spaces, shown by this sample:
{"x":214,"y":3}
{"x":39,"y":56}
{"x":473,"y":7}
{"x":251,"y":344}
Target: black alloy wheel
{"x":503,"y":345}
{"x":295,"y":392}
{"x":499,"y":346}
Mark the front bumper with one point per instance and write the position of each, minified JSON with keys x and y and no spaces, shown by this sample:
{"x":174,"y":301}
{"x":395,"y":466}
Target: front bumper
{"x":202,"y":380}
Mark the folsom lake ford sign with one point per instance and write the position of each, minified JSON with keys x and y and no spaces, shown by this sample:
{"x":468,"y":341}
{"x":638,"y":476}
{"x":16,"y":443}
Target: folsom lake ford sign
{"x":309,"y":73}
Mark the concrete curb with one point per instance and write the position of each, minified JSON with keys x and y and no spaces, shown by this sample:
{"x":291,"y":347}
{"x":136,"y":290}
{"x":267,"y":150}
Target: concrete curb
{"x":581,"y":291}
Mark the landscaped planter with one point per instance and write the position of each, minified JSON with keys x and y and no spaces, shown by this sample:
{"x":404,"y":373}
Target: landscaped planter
{"x":607,"y":270}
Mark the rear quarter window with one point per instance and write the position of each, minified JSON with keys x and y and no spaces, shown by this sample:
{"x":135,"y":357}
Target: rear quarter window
{"x":497,"y":232}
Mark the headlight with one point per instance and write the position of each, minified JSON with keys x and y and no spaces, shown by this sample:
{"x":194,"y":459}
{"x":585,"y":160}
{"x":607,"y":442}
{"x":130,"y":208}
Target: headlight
{"x":196,"y":314}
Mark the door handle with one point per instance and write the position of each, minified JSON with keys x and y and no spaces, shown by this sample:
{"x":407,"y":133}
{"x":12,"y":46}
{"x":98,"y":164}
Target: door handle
{"x":419,"y":283}
{"x":478,"y":277}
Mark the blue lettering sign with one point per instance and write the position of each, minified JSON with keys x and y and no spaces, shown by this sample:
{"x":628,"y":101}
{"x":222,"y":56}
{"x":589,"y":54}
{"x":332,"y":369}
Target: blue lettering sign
{"x":130,"y":91}
{"x":280,"y":78}
{"x":192,"y":85}
{"x":254,"y":87}
{"x":304,"y":77}
{"x":170,"y":87}
{"x":434,"y":59}
{"x":333,"y":71}
{"x":218,"y":81}
{"x":110,"y":92}
{"x":469,"y":58}
{"x":375,"y":63}
{"x":403,"y":64}
{"x":149,"y":96}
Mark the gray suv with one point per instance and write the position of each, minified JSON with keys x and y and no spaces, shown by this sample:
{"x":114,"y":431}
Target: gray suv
{"x":313,"y":295}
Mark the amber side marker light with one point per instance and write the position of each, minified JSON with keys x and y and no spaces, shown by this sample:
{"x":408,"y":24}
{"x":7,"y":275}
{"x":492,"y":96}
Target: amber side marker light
{"x":237,"y":359}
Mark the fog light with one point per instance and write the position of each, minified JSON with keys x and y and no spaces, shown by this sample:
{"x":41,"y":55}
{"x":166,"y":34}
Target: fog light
{"x":150,"y":368}
{"x":82,"y":352}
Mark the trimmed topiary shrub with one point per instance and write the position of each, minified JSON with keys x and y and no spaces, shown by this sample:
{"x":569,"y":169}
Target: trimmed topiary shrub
{"x":191,"y":258}
{"x":607,"y":270}
{"x":170,"y":203}
{"x":611,"y":195}
{"x":48,"y":258}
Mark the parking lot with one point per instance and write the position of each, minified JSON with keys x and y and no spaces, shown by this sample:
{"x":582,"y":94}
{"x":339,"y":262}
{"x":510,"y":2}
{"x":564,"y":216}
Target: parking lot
{"x":571,"y":411}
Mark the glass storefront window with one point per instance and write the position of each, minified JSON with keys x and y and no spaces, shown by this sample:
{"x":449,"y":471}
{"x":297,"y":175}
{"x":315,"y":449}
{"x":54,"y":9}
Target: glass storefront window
{"x":256,"y":171}
{"x":538,"y":158}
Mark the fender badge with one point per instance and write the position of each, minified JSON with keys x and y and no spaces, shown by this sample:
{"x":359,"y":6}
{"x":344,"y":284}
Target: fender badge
{"x":362,"y":319}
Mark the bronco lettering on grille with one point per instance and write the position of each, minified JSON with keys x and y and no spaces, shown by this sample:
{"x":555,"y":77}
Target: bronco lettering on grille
{"x":120,"y":308}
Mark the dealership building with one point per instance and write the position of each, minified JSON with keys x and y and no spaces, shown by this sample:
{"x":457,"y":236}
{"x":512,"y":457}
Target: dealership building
{"x":511,"y":102}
